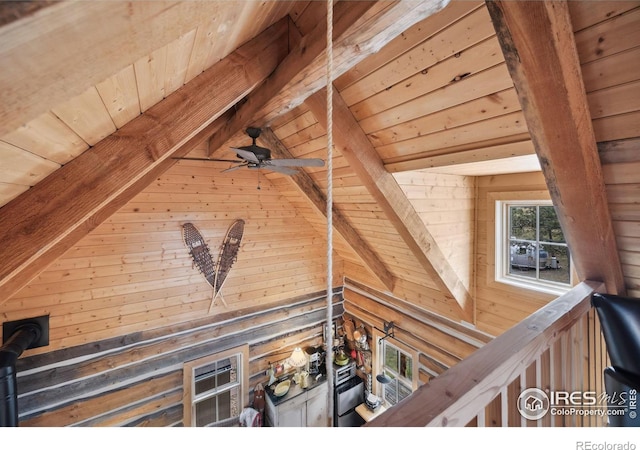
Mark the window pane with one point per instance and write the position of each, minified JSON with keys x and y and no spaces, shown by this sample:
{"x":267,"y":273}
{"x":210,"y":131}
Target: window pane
{"x":522,"y":257}
{"x":550,"y":230}
{"x":522,"y":220}
{"x":214,"y":409}
{"x":216,"y":375}
{"x":391,"y":358}
{"x":406,"y":366}
{"x":391,"y":392}
{"x":403,"y":391}
{"x":558,"y":268}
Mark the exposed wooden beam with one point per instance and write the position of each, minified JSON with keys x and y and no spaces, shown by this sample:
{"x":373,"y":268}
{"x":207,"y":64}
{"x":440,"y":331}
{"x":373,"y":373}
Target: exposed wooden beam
{"x":355,"y":146}
{"x":316,"y":197}
{"x":50,"y":217}
{"x":538,"y":44}
{"x":475,"y":155}
{"x":360,"y":29}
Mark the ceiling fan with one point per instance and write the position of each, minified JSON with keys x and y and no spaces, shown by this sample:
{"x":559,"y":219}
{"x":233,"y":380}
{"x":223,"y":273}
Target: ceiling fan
{"x":255,"y":157}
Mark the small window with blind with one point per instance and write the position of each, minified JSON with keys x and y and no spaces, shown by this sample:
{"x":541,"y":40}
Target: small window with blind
{"x":216,"y":388}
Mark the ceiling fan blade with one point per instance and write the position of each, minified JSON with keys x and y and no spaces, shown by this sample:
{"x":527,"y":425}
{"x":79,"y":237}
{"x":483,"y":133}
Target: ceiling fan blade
{"x":232,"y":168}
{"x":211,"y":159}
{"x":247,"y":155}
{"x":301,"y":162}
{"x":282,"y":170}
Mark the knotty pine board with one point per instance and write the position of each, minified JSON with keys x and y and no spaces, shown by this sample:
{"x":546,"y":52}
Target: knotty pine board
{"x":47,"y":136}
{"x":14,"y":162}
{"x":409,"y":39}
{"x":609,"y":36}
{"x":472,"y":29}
{"x":487,"y":82}
{"x":583,"y":16}
{"x":87,"y":116}
{"x":482,"y":56}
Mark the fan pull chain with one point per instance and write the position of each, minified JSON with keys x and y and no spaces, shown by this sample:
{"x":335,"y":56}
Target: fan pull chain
{"x":328,"y":336}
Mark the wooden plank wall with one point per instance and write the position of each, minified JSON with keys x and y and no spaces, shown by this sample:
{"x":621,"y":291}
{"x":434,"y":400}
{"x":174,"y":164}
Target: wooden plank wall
{"x":446,"y":205}
{"x":500,"y":306}
{"x":137,"y":379}
{"x":440,"y":342}
{"x":134,"y":273}
{"x":608,"y":45}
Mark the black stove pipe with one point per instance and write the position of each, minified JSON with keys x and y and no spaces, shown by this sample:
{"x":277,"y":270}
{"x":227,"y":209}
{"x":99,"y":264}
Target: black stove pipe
{"x":19,"y":341}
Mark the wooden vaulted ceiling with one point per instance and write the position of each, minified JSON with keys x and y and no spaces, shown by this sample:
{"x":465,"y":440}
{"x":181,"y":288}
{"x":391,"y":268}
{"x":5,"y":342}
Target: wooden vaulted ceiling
{"x":93,"y":116}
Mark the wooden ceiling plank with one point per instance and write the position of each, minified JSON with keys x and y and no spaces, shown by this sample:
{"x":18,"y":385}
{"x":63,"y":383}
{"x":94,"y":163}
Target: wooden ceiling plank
{"x":457,"y":38}
{"x":150,"y":72}
{"x":608,"y":37}
{"x":9,"y":191}
{"x":420,"y":32}
{"x":49,"y":77}
{"x":470,"y":88}
{"x":506,"y":127}
{"x":316,"y":197}
{"x":473,"y":60}
{"x":24,"y":168}
{"x":363,"y":159}
{"x":120,"y":96}
{"x":178,"y":57}
{"x":49,"y":218}
{"x":87,"y":116}
{"x":538,"y":43}
{"x":49,"y":137}
{"x":456,"y":117}
{"x":586,"y":15}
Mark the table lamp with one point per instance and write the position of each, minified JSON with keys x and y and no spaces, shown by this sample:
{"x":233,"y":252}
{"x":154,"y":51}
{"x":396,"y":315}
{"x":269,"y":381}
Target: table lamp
{"x":298,"y":359}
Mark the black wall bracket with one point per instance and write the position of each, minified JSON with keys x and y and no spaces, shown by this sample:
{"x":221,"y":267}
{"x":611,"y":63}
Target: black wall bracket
{"x":8,"y":328}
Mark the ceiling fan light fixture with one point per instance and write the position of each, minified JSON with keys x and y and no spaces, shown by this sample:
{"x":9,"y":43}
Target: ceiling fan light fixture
{"x":255,"y":157}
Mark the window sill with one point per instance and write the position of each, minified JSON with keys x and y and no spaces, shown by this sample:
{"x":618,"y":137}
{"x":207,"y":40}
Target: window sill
{"x":535,"y":286}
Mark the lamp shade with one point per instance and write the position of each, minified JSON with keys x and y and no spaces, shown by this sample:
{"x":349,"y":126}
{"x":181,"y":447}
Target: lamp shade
{"x":298,"y":358}
{"x":383,"y":378}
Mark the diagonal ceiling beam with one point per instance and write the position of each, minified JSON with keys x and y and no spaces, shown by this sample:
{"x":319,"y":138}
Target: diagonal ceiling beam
{"x":538,"y":44}
{"x":367,"y":164}
{"x":360,"y":29}
{"x":316,"y":197}
{"x":53,"y":215}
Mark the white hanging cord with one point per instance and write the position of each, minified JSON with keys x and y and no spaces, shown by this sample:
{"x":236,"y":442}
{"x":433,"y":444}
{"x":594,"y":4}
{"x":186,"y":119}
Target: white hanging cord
{"x":329,"y":337}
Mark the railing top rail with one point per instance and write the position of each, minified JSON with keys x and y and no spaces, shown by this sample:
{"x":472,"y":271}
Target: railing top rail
{"x":456,"y":396}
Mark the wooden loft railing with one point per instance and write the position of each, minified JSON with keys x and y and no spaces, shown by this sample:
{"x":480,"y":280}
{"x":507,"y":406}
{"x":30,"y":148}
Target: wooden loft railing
{"x":558,"y":348}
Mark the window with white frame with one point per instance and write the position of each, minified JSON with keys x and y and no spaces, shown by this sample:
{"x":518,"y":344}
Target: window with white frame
{"x":216,"y":388}
{"x":531,"y":250}
{"x":398,"y":365}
